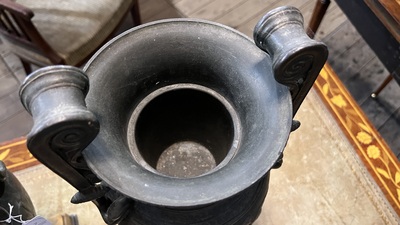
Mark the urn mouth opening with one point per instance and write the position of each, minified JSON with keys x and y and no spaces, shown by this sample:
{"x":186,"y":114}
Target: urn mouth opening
{"x":183,"y":131}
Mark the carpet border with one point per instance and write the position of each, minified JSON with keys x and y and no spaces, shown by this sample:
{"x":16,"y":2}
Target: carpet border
{"x":16,"y":155}
{"x":373,"y":151}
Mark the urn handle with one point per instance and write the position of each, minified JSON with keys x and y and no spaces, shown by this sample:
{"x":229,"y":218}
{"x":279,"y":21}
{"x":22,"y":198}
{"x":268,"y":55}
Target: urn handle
{"x":296,"y":58}
{"x":63,"y":127}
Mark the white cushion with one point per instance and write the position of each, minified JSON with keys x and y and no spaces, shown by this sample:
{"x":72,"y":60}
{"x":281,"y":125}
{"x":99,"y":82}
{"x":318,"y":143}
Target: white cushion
{"x":75,"y":28}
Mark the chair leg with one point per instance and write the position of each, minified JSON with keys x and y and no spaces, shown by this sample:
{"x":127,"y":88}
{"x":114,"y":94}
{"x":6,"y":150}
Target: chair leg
{"x":318,"y":14}
{"x":27,"y":67}
{"x":382,"y":86}
{"x":135,"y":13}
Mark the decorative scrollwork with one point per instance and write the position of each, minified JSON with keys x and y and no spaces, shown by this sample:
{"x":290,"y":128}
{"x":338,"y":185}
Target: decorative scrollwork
{"x":69,"y":139}
{"x":296,"y":58}
{"x":61,"y":130}
{"x":294,"y":72}
{"x":69,"y":143}
{"x":296,"y":69}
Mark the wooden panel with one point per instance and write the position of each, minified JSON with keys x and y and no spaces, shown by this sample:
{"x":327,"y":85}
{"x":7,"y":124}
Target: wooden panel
{"x":11,"y":106}
{"x":150,"y":8}
{"x":174,"y":2}
{"x":14,"y":64}
{"x":4,"y":70}
{"x":379,"y":110}
{"x":351,"y":61}
{"x":307,"y":10}
{"x":247,"y":27}
{"x":341,"y":40}
{"x":169,"y":12}
{"x":385,"y":46}
{"x":215,"y":9}
{"x":333,"y":19}
{"x":391,"y":132}
{"x":187,"y":7}
{"x":376,"y":110}
{"x":362,"y":83}
{"x":244,"y":12}
{"x":393,"y":7}
{"x":8,"y":84}
{"x":16,"y":126}
{"x":388,"y":13}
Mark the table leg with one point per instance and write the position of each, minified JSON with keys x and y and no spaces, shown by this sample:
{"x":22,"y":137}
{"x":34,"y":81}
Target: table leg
{"x":382,"y":86}
{"x":318,"y":14}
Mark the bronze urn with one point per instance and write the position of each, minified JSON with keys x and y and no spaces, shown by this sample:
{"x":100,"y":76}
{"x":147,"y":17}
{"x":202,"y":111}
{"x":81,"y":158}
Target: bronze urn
{"x":177,"y":121}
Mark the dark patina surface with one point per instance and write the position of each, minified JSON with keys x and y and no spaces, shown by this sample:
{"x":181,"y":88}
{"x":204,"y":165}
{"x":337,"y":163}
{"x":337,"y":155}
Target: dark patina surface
{"x":182,"y":89}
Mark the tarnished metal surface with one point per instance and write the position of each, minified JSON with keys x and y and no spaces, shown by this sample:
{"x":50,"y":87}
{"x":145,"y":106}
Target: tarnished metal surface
{"x":181,"y":89}
{"x":15,"y":204}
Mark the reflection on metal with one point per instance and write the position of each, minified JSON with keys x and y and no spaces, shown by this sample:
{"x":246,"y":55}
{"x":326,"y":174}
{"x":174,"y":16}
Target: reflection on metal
{"x":193,"y":97}
{"x":15,"y":204}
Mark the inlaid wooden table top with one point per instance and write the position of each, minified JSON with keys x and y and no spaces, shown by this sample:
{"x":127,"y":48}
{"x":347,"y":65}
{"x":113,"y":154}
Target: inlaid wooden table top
{"x":388,"y":12}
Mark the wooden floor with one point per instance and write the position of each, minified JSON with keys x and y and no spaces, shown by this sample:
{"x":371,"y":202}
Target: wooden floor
{"x":350,"y":57}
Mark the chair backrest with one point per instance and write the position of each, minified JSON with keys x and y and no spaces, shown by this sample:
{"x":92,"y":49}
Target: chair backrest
{"x":17,"y":27}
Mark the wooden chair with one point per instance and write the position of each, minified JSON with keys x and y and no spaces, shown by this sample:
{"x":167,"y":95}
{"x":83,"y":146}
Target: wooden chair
{"x":49,"y":32}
